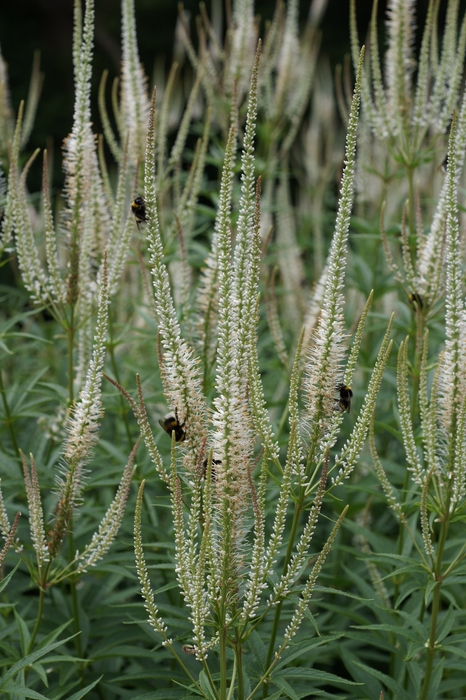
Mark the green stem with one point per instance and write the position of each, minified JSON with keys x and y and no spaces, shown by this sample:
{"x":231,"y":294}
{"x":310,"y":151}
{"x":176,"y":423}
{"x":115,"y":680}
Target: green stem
{"x":124,"y":409}
{"x":278,"y":609}
{"x":420,"y":324}
{"x":209,"y":677}
{"x":239,"y":665}
{"x":411,"y":211}
{"x":70,"y":334}
{"x":432,"y":646}
{"x":40,"y":611}
{"x":74,"y":597}
{"x":9,"y":421}
{"x":232,"y":682}
{"x":223,"y":663}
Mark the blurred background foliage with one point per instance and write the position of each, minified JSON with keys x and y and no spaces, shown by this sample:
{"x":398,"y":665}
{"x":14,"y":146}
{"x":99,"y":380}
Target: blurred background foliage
{"x":46,"y":26}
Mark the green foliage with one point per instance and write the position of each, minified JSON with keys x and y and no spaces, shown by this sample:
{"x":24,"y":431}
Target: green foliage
{"x":267,"y":550}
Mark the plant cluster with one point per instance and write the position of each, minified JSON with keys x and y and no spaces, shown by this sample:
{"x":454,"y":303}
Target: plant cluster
{"x":275,"y":555}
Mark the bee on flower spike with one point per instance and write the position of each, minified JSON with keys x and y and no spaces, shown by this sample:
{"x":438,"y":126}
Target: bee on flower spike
{"x":171,"y":423}
{"x":138,"y":207}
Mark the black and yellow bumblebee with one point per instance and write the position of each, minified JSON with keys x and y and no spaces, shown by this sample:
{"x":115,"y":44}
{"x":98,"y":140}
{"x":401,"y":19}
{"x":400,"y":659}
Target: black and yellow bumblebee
{"x":171,"y":423}
{"x":138,"y":207}
{"x":212,"y":472}
{"x":416,"y":298}
{"x":346,"y":394}
{"x":443,"y":167}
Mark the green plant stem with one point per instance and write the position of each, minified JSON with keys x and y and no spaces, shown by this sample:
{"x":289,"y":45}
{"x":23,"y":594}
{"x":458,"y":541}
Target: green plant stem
{"x":411,"y":210}
{"x":70,"y":335}
{"x":74,"y":596}
{"x":239,"y":665}
{"x":9,"y":421}
{"x":42,"y":587}
{"x":223,"y":663}
{"x":40,"y":611}
{"x":278,"y":609}
{"x":432,"y":646}
{"x":232,"y":682}
{"x":206,"y":668}
{"x":124,"y":411}
{"x":420,"y":324}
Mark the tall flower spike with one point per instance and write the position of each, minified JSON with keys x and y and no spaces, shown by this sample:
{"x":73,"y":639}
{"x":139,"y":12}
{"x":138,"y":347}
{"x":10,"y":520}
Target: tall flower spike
{"x":207,"y":295}
{"x":181,"y":378}
{"x":258,"y":408}
{"x":301,"y":554}
{"x":57,"y":287}
{"x":289,"y":54}
{"x":428,"y":412}
{"x":349,"y":455}
{"x":257,"y":573}
{"x":134,"y":99}
{"x":431,"y":258}
{"x":453,"y":374}
{"x":243,"y":39}
{"x":146,"y":591}
{"x":306,"y":594}
{"x":9,"y":539}
{"x":36,"y":514}
{"x":11,"y":205}
{"x":232,"y":439}
{"x":110,"y":523}
{"x":323,"y":366}
{"x":122,"y":226}
{"x":78,"y":146}
{"x":245,"y":262}
{"x":83,"y":423}
{"x":34,"y":277}
{"x":4,"y":522}
{"x":332,"y":433}
{"x":399,"y":60}
{"x":405,"y":416}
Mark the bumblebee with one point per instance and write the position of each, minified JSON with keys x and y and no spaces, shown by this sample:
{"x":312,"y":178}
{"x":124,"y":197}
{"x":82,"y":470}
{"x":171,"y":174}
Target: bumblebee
{"x":138,"y":207}
{"x":188,"y":649}
{"x":171,"y":424}
{"x":204,"y":468}
{"x":444,"y":165}
{"x":344,"y":402}
{"x":416,"y":298}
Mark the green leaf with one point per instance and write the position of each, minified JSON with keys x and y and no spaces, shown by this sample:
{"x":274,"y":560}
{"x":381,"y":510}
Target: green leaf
{"x":23,"y":632}
{"x":4,"y":583}
{"x":304,"y":648}
{"x":446,"y":623}
{"x":81,"y":693}
{"x":205,"y":685}
{"x":30,"y":659}
{"x":16,"y":691}
{"x":258,"y":649}
{"x":398,"y":691}
{"x":286,"y":688}
{"x":313,"y":674}
{"x":54,"y":634}
{"x":324,"y":589}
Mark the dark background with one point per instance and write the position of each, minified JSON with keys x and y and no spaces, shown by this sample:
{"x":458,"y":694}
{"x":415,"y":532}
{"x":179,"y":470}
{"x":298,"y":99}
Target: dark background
{"x":47,"y":25}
